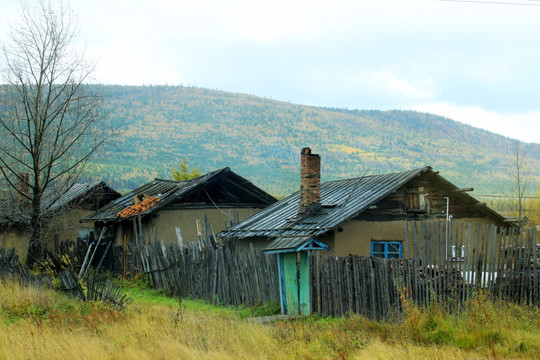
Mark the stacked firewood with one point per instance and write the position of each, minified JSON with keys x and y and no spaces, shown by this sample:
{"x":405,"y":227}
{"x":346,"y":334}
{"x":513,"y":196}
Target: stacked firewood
{"x":146,"y":203}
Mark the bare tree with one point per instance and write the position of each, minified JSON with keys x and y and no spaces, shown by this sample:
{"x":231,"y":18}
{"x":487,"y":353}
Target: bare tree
{"x":521,"y":184}
{"x":51,"y":121}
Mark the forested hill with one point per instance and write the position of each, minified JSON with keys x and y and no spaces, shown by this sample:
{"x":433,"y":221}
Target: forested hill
{"x":261,"y":140}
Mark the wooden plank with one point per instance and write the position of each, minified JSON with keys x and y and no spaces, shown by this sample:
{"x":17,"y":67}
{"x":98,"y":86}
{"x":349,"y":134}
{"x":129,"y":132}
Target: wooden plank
{"x":318,"y":282}
{"x":536,"y":269}
{"x":437,"y":242}
{"x":460,"y":264}
{"x":407,"y":252}
{"x":477,"y":259}
{"x":502,"y":269}
{"x":415,"y":264}
{"x":515,"y":265}
{"x":485,"y":249}
{"x":492,"y":255}
{"x":425,"y":262}
{"x":226,"y":288}
{"x":367,"y":289}
{"x":468,"y":258}
{"x":525,"y":268}
{"x":257,"y":291}
{"x":370,"y":280}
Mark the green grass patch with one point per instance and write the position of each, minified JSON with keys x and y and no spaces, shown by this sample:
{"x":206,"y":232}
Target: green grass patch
{"x":140,"y":290}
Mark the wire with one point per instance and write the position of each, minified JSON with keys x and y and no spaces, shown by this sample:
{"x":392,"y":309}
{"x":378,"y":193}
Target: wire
{"x":215,"y":204}
{"x":492,"y":2}
{"x":508,"y":196}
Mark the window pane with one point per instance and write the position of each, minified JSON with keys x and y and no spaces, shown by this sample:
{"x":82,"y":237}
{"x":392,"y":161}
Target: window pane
{"x":377,"y":249}
{"x":393,"y":250}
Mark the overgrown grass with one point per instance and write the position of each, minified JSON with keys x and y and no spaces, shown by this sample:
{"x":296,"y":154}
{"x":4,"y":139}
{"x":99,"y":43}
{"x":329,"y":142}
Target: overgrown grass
{"x":43,"y":324}
{"x":498,"y":328}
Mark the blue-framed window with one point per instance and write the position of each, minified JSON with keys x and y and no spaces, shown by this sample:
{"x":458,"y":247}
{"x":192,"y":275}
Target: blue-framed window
{"x":386,"y":249}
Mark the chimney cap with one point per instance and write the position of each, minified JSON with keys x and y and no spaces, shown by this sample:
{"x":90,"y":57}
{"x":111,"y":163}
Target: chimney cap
{"x":306,"y":151}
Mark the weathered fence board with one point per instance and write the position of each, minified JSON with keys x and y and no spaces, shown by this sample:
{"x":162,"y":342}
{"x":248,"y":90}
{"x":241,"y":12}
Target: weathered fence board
{"x":204,"y":271}
{"x":502,"y":264}
{"x":447,"y":265}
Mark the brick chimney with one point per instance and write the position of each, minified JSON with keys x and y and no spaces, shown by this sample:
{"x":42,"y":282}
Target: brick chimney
{"x":310,"y":181}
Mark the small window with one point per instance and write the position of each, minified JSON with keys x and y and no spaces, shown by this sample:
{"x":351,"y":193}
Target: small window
{"x":418,"y":200}
{"x":386,"y":249}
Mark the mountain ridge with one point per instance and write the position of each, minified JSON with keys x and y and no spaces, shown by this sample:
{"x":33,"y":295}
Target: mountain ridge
{"x":261,"y":139}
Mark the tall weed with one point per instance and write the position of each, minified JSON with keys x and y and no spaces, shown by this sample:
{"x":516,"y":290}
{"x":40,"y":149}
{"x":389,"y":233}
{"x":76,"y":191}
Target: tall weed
{"x":483,"y":325}
{"x":44,"y":324}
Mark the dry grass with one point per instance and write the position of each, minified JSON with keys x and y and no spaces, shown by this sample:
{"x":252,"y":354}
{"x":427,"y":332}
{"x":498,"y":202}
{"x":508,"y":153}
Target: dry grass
{"x":43,"y":325}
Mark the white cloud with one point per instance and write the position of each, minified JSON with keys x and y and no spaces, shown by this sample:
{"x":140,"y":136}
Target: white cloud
{"x":379,"y":81}
{"x":522,"y":126}
{"x":354,"y":54}
{"x":386,"y":81}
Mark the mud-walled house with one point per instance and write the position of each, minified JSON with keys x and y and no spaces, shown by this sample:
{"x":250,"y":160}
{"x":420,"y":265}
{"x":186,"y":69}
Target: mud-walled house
{"x":366,"y":216}
{"x":62,"y":211}
{"x":157,"y":209}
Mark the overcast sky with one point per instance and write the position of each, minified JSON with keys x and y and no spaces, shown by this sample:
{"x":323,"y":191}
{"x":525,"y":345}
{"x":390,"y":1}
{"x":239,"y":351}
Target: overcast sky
{"x":473,"y":61}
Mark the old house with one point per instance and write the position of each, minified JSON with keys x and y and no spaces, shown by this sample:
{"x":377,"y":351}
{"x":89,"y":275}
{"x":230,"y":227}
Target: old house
{"x":155,"y":210}
{"x":61,"y":212}
{"x":366,"y":216}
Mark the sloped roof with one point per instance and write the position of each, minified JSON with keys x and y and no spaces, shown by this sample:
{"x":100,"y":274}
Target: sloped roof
{"x":77,"y":192}
{"x":341,"y":200}
{"x":294,"y":244}
{"x":224,"y":187}
{"x":52,"y":203}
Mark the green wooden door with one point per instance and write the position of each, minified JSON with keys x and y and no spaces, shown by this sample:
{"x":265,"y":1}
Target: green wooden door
{"x":290,"y":275}
{"x":303,"y":283}
{"x":296,"y":279}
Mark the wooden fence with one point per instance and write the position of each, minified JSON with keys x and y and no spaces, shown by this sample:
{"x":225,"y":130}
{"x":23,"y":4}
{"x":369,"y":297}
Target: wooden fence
{"x":10,"y":268}
{"x":448,"y":269}
{"x":441,"y":266}
{"x":215,"y":273}
{"x":98,"y":287}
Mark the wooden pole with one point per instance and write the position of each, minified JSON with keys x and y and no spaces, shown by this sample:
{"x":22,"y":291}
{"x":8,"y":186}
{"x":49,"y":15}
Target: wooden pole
{"x":125,"y":248}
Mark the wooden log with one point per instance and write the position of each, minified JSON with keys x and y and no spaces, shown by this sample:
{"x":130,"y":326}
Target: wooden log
{"x":536,"y":269}
{"x":356,"y":283}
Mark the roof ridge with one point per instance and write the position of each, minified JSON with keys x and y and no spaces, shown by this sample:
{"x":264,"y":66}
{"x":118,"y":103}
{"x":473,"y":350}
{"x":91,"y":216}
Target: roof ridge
{"x":386,"y":174}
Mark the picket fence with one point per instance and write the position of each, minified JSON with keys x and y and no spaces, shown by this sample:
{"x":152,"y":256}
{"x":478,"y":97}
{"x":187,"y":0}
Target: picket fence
{"x":98,"y":287}
{"x":450,"y":268}
{"x":501,"y":264}
{"x":215,"y":273}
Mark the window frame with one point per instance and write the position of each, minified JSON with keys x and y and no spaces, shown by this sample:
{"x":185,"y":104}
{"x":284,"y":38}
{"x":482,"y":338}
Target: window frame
{"x":386,"y":243}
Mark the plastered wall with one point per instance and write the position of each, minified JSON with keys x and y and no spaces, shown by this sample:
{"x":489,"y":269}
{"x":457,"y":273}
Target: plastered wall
{"x":355,"y":236}
{"x":12,"y":237}
{"x":167,"y":220}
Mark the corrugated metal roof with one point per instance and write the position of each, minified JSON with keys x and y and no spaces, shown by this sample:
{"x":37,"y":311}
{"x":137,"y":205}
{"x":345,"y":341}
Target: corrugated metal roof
{"x":52,"y":202}
{"x":340,"y":200}
{"x":75,"y":192}
{"x":294,"y":244}
{"x":169,"y":191}
{"x":288,"y":242}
